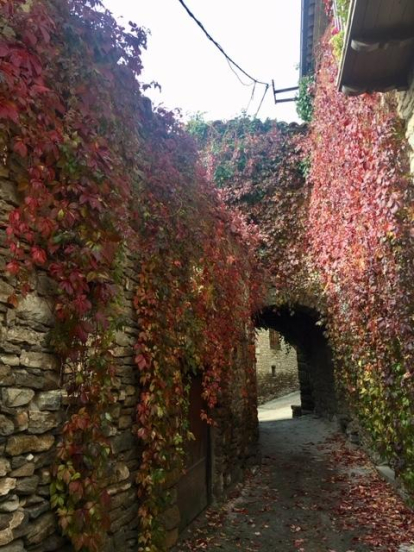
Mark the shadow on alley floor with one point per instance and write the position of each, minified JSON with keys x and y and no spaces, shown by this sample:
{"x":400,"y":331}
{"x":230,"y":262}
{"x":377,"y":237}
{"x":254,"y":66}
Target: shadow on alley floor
{"x":313,"y":492}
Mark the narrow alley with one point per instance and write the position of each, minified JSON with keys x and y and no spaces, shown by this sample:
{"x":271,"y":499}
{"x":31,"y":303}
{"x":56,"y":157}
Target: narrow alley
{"x":206,"y":276}
{"x":313,"y":492}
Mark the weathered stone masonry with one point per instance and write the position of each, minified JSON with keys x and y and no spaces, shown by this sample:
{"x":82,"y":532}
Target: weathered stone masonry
{"x":32,"y":410}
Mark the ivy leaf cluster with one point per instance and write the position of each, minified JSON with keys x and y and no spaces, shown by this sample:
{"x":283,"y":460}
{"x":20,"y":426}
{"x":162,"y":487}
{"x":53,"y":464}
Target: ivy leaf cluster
{"x":109,"y":184}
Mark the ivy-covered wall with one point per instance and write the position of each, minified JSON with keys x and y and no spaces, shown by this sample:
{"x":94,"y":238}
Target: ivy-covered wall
{"x":34,"y":407}
{"x":123,"y":276}
{"x":334,"y":207}
{"x":361,"y":238}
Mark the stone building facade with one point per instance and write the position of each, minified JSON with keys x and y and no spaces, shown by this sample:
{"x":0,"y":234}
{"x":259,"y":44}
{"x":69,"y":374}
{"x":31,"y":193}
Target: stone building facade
{"x":33,"y":409}
{"x":273,"y":354}
{"x":276,"y":365}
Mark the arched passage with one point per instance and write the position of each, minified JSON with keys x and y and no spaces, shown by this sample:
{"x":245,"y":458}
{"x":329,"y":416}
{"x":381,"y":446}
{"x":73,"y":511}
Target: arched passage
{"x":301,"y":328}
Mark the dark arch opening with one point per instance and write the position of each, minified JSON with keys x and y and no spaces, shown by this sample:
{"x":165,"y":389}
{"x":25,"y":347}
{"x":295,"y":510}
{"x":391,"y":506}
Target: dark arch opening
{"x":302,"y":329}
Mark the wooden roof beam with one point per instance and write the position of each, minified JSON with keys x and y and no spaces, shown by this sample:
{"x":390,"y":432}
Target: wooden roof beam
{"x":396,"y":40}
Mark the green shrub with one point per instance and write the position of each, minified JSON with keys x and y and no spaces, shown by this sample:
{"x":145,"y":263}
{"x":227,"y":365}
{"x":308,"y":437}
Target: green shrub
{"x":304,"y":101}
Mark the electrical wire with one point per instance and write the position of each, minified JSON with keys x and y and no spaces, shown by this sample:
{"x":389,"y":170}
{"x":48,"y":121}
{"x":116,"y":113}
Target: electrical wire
{"x":248,"y":85}
{"x":262,"y":100}
{"x":217,"y":45}
{"x":251,"y":98}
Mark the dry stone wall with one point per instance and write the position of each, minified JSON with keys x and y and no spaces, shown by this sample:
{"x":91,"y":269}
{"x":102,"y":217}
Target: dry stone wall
{"x":33,"y":407}
{"x":32,"y":410}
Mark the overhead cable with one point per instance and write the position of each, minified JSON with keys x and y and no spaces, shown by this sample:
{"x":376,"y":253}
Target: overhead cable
{"x":262,"y":100}
{"x":251,"y":98}
{"x":217,"y":45}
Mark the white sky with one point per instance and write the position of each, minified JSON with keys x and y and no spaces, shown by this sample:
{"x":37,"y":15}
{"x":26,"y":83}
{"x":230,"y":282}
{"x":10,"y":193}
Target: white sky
{"x":262,"y":36}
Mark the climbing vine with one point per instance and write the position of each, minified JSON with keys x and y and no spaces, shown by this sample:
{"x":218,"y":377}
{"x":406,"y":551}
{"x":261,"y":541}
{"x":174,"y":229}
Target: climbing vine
{"x":304,"y":101}
{"x":334,"y":210}
{"x":360,"y":228}
{"x":261,"y":170}
{"x":105,"y":181}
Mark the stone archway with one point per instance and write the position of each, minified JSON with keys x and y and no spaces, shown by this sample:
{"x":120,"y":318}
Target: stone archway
{"x":301,"y":327}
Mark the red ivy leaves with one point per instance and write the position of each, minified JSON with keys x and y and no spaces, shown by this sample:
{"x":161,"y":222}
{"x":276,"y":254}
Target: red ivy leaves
{"x":102,"y":174}
{"x":360,"y":239}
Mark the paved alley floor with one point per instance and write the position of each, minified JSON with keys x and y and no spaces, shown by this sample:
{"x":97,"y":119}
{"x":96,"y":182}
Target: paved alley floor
{"x":313,"y":492}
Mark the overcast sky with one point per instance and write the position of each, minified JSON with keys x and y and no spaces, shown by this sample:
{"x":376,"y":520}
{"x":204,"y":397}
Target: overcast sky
{"x":262,"y":36}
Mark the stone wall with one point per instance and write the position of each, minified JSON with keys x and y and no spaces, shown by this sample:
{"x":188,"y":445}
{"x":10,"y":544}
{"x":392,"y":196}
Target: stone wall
{"x":32,"y":410}
{"x":235,"y":435}
{"x":276,"y":365}
{"x":281,"y":355}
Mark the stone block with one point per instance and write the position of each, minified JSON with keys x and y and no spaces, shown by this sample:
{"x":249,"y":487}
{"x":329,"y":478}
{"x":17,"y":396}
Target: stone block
{"x":119,"y":488}
{"x":7,"y":484}
{"x":20,"y":336}
{"x":122,"y":339}
{"x":131,"y":400}
{"x":121,"y":519}
{"x":22,"y":421}
{"x":123,"y":441}
{"x":40,"y":529}
{"x":44,"y":361}
{"x":10,"y":360}
{"x":35,"y":309}
{"x":124,"y":422}
{"x":27,"y":470}
{"x":124,"y":498}
{"x":16,"y":546}
{"x":120,"y":473}
{"x":38,"y":509}
{"x":19,"y":444}
{"x":44,"y":491}
{"x":5,"y":291}
{"x":49,"y":400}
{"x":37,"y":379}
{"x":8,"y":192}
{"x":6,"y":426}
{"x":387,"y":473}
{"x":13,"y":397}
{"x":11,"y":504}
{"x":45,"y":285}
{"x":41,"y":422}
{"x":19,"y":461}
{"x":45,"y":477}
{"x":45,"y":459}
{"x":10,"y":522}
{"x":4,"y":467}
{"x":6,"y":375}
{"x":27,"y":485}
